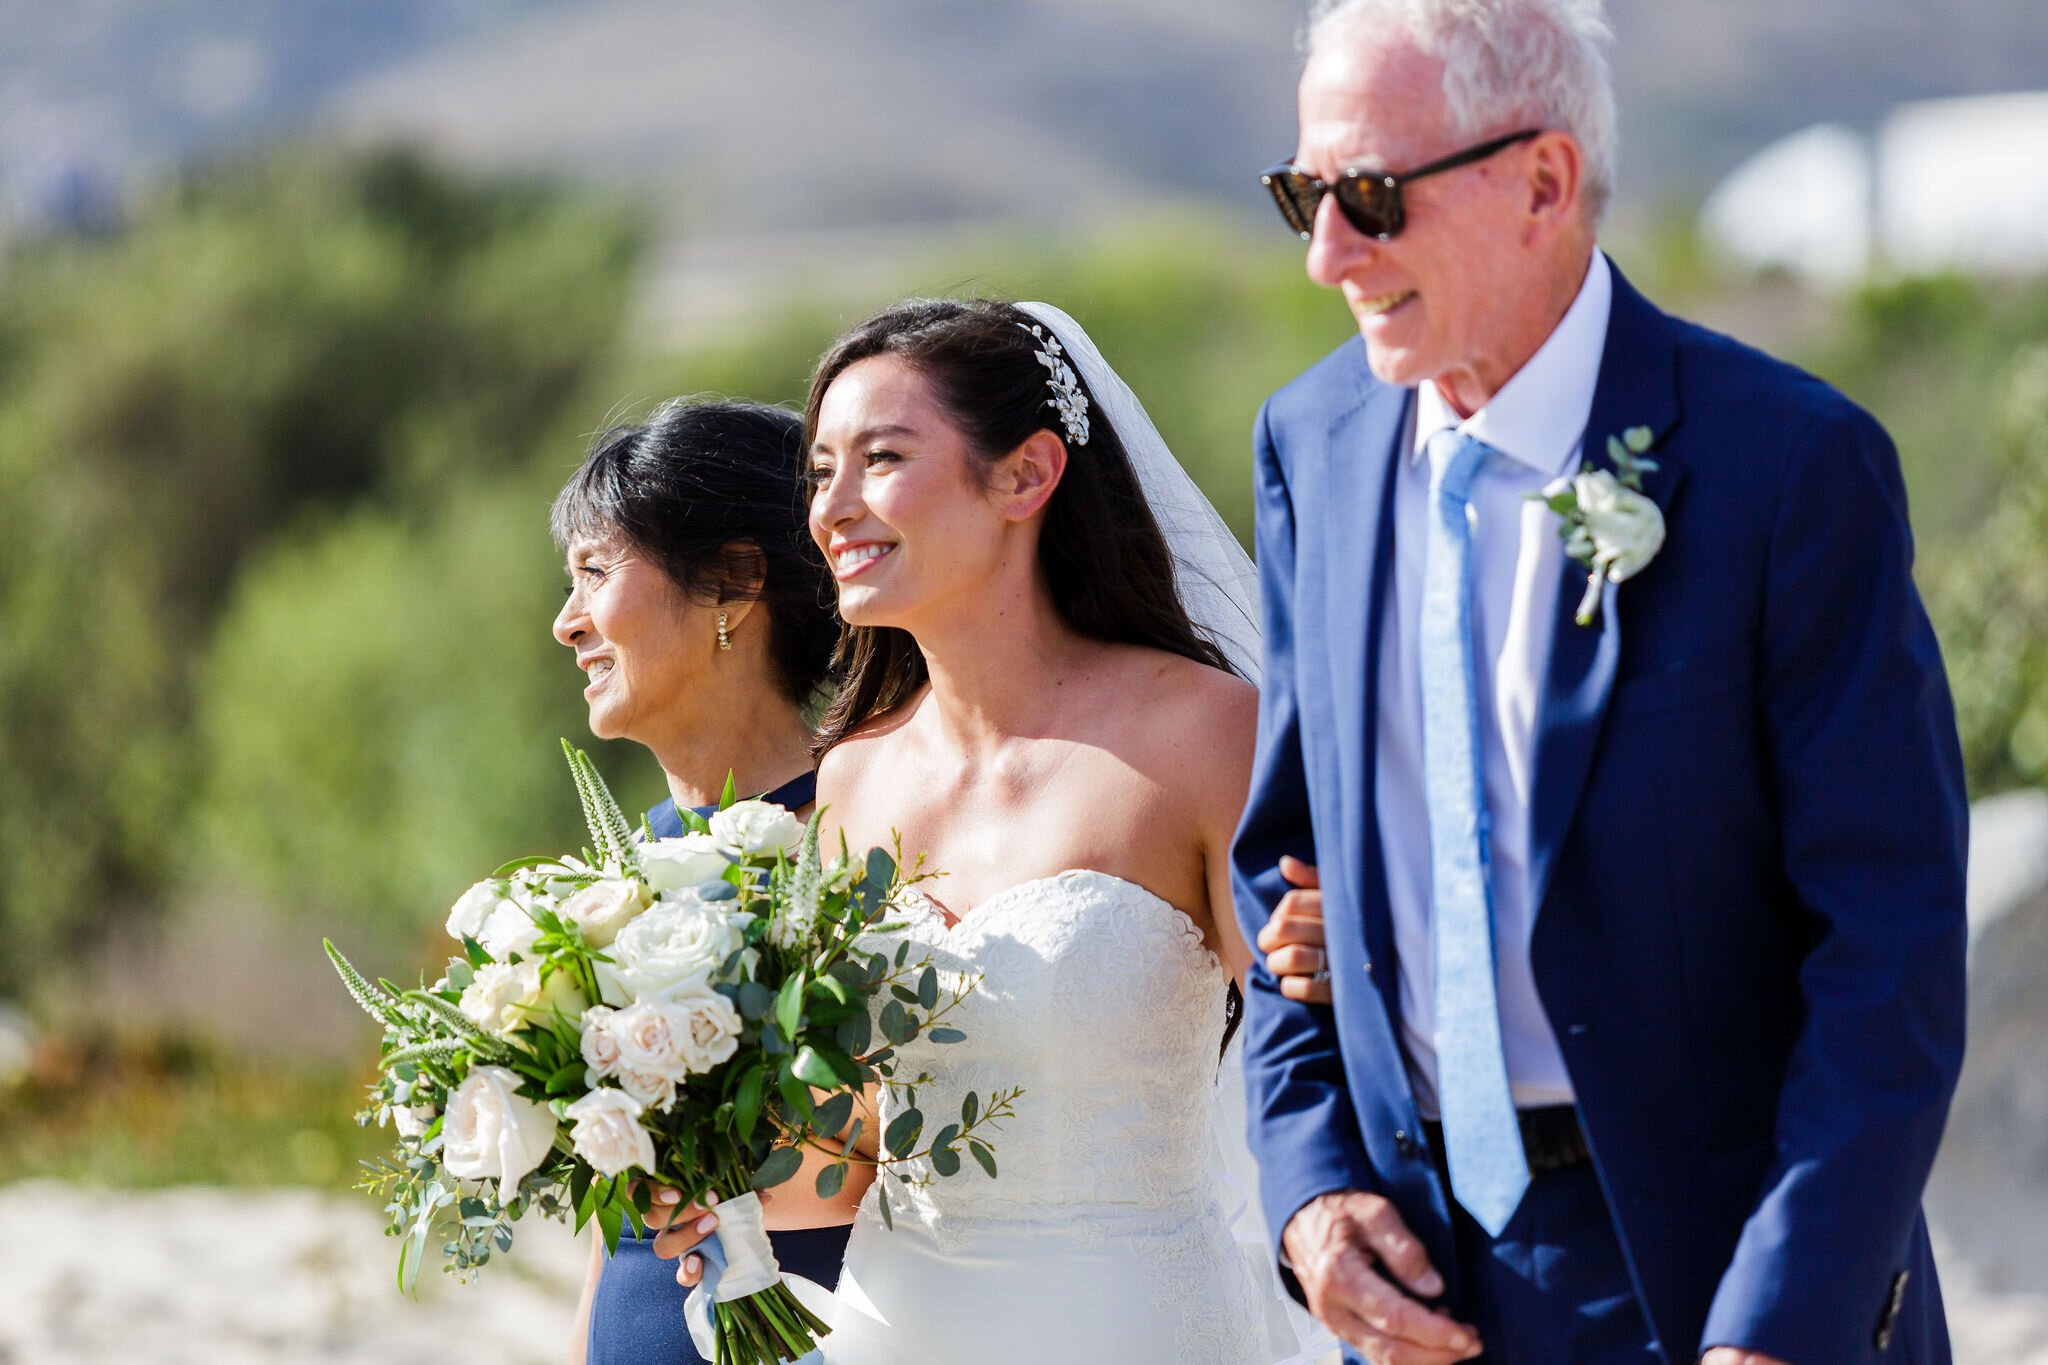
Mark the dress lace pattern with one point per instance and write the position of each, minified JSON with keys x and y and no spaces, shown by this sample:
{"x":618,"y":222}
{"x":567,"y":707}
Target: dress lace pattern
{"x":1102,"y":1001}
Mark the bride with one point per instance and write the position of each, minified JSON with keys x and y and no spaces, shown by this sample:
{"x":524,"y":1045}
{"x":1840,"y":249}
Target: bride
{"x":1048,"y":636}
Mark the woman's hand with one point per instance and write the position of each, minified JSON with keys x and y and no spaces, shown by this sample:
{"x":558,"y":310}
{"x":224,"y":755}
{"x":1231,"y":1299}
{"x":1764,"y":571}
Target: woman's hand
{"x":1293,"y":938}
{"x":681,"y":1228}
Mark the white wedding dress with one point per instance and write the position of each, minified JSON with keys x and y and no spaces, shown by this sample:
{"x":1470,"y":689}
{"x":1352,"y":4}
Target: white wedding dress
{"x":1103,"y":1237}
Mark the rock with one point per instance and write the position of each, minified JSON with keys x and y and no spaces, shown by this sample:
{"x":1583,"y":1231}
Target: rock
{"x":1988,"y":1199}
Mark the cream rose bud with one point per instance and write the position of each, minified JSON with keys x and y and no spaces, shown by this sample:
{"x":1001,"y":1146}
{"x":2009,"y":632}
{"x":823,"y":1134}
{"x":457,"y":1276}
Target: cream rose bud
{"x":510,"y":932}
{"x":600,"y":1044}
{"x":603,"y":908}
{"x":756,"y":829}
{"x":651,"y":1089}
{"x":678,"y":944}
{"x":606,"y":1132}
{"x":492,"y":1132}
{"x":1626,"y":528}
{"x":688,"y":860}
{"x":706,"y":1029}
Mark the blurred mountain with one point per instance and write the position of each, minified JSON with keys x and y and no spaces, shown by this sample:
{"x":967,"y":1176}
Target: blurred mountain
{"x":778,"y":114}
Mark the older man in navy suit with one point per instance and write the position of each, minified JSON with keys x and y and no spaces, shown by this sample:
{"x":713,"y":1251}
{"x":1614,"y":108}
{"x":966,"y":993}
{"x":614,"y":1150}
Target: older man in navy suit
{"x":1599,"y":695}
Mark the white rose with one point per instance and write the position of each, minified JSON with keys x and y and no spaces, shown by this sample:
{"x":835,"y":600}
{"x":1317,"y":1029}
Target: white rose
{"x":601,"y":909}
{"x":492,"y":1132}
{"x":503,"y":994}
{"x":607,"y":1132}
{"x":756,"y":829}
{"x":685,"y":861}
{"x":1626,"y":528}
{"x":706,"y":1029}
{"x":509,"y":932}
{"x":469,"y":914}
{"x":677,"y":945}
{"x":600,"y":1044}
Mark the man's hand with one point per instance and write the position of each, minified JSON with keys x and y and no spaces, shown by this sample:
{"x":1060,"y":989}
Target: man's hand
{"x":1293,"y":937}
{"x":1735,"y":1355}
{"x":1363,"y":1272}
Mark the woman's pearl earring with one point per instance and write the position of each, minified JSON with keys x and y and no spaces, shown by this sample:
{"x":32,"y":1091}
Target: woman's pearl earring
{"x":724,"y":639}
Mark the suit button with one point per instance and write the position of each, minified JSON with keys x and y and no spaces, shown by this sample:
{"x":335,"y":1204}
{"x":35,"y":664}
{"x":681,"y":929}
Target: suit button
{"x":1404,"y":1144}
{"x":1368,"y":966}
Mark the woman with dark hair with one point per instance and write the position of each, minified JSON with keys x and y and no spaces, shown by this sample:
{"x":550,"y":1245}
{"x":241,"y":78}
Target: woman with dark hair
{"x":700,"y":612}
{"x":1031,"y":702}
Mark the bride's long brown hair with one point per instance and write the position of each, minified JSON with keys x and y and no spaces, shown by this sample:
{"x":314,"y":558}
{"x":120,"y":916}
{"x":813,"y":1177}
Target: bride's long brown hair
{"x":1109,"y":568}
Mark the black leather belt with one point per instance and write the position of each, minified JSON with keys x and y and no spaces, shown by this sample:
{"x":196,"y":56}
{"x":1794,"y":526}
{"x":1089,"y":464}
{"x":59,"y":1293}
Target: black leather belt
{"x":1551,"y":1138}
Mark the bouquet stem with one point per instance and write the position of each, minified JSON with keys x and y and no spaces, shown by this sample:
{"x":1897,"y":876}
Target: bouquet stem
{"x":765,"y":1328}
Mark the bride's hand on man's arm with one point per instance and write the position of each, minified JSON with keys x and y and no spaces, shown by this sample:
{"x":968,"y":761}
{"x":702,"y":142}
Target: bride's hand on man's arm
{"x":1293,"y":937}
{"x":1365,"y":1274}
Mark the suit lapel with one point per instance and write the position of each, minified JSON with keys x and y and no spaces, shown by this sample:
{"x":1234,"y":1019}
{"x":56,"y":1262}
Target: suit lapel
{"x":1638,"y":387}
{"x":1362,"y":456}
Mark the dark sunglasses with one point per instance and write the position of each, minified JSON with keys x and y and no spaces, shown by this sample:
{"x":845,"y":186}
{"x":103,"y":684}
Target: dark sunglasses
{"x":1369,"y":200}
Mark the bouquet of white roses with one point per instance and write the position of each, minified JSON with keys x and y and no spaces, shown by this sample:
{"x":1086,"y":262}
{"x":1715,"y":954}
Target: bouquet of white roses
{"x":698,"y":1010}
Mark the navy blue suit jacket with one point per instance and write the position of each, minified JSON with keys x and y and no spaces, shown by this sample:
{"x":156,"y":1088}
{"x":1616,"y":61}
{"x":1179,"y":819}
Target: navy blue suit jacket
{"x":1748,"y":849}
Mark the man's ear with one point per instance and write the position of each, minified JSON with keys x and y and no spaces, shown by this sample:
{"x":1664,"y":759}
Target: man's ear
{"x":1556,"y":184}
{"x":1026,"y":477}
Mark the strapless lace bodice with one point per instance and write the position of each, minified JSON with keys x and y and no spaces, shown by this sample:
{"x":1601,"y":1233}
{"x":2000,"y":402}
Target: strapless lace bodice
{"x":1102,"y":1001}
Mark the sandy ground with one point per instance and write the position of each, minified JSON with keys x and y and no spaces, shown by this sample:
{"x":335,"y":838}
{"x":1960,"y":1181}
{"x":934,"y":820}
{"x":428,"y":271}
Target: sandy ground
{"x":271,"y":1277}
{"x":277,"y":1277}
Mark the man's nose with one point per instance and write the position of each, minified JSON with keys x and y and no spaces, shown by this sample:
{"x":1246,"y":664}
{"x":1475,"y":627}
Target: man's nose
{"x":1336,"y":248}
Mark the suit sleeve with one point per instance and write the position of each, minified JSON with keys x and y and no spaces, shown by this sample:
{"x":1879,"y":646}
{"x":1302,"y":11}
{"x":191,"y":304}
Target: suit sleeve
{"x":1304,"y":1132}
{"x":1867,"y":782}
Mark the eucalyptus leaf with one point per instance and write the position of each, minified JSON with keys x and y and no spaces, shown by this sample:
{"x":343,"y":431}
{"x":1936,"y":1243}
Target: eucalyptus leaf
{"x":901,"y":1134}
{"x":970,"y":1108}
{"x":928,"y":988}
{"x":980,"y":1152}
{"x":831,"y":1180}
{"x":945,"y":1161}
{"x":754,"y":1002}
{"x":782,"y":1163}
{"x":834,"y":1113}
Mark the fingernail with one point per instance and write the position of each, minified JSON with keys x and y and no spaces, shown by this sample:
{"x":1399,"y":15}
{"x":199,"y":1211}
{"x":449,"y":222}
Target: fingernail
{"x":1430,"y":1285}
{"x":693,"y":1264}
{"x":711,"y":1199}
{"x":707,"y":1222}
{"x":666,"y":1195}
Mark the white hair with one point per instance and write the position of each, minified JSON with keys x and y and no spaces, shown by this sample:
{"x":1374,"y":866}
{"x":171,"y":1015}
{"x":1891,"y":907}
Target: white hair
{"x":1539,"y":63}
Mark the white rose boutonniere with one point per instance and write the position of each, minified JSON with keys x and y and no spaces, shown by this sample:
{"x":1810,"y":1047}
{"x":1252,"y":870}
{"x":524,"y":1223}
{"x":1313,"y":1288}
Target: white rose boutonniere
{"x":1610,"y":526}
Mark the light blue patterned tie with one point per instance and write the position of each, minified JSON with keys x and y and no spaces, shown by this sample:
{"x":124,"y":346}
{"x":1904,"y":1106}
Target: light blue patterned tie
{"x":1489,"y":1170}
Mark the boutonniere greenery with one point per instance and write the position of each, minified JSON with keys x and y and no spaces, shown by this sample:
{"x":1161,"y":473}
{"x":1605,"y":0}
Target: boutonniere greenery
{"x":1609,"y":525}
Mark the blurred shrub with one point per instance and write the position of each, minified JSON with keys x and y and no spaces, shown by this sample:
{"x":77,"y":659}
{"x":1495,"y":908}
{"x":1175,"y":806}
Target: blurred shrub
{"x":266,"y":339}
{"x":1989,"y":595}
{"x":378,"y":716}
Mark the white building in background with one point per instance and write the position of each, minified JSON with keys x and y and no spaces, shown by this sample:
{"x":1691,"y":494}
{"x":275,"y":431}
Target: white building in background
{"x":1956,"y":184}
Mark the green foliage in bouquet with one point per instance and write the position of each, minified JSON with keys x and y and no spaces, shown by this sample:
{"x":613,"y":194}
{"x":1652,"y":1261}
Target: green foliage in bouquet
{"x":697,"y":1010}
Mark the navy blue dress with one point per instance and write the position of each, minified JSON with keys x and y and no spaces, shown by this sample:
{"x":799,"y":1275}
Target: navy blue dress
{"x":636,"y":1316}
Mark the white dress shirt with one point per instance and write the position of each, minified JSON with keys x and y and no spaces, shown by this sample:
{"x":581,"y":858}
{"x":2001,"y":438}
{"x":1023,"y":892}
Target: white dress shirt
{"x":1537,"y":422}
